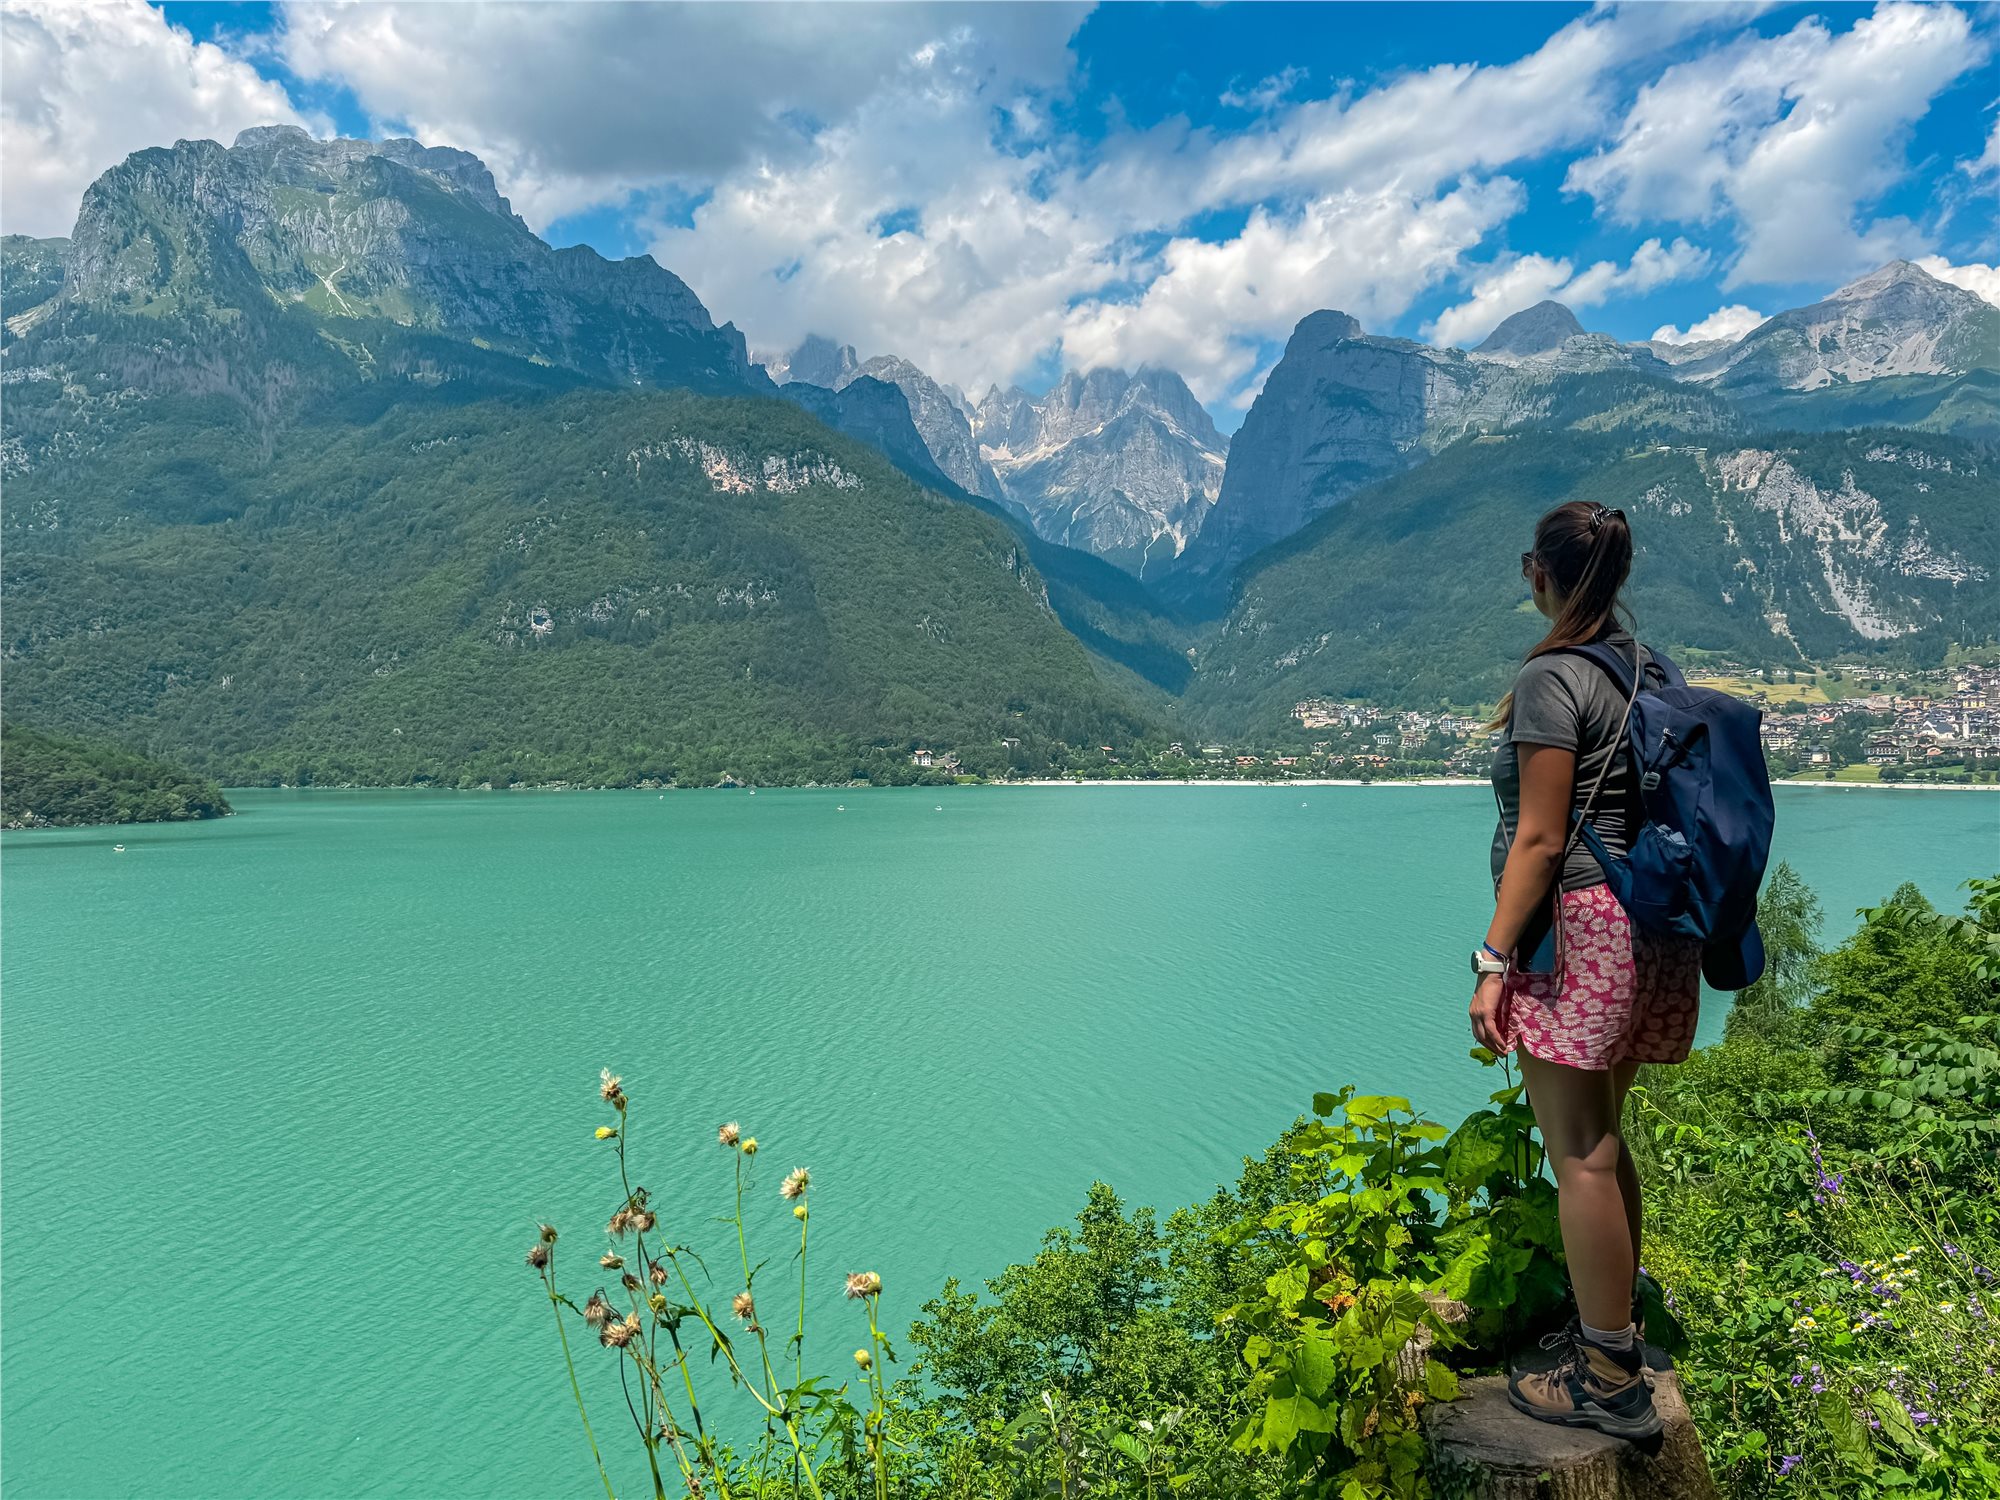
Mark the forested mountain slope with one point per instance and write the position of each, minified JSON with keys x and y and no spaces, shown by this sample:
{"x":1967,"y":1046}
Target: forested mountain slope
{"x":600,"y":586}
{"x":1767,"y":549}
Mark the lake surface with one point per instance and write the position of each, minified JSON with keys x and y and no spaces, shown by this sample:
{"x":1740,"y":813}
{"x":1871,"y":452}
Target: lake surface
{"x":285,"y":1095}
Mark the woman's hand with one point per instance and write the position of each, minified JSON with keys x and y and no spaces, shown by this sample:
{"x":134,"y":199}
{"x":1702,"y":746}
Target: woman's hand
{"x":1486,"y":1013}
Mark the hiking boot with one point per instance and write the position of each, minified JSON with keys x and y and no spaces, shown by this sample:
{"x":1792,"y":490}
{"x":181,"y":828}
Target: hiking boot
{"x":1603,"y":1389}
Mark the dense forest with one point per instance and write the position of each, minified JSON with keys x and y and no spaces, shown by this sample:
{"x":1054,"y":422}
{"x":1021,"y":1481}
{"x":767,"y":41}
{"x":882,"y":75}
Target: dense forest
{"x":609,"y":588}
{"x":53,"y":781}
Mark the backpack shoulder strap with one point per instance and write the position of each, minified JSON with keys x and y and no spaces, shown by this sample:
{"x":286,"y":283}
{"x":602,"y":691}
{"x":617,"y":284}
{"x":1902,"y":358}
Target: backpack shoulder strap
{"x":1614,"y":662}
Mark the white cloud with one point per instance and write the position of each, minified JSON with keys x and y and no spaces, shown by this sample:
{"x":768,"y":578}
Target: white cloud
{"x":1267,"y":94}
{"x":1522,"y":281}
{"x":84,"y":83}
{"x":1212,"y":303}
{"x":1985,"y":167}
{"x":1981,"y":280}
{"x":1789,"y":137}
{"x":1730,"y":322}
{"x":575,"y":106}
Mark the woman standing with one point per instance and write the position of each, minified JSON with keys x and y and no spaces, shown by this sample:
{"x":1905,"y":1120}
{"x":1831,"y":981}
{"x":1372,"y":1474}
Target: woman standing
{"x":1610,"y":997}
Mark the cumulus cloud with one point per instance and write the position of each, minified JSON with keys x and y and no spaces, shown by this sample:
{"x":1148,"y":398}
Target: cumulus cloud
{"x":1510,"y":285}
{"x":85,"y":83}
{"x":576,"y":106}
{"x":1211,"y":304}
{"x":1788,"y":138}
{"x":1730,"y":322}
{"x":1980,"y":280}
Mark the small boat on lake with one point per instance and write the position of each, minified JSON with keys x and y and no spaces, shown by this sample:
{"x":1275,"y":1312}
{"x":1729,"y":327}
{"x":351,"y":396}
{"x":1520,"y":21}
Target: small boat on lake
{"x":117,"y":848}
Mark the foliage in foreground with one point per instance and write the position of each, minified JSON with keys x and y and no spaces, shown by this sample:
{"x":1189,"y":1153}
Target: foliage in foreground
{"x":1824,"y":1211}
{"x":52,"y":781}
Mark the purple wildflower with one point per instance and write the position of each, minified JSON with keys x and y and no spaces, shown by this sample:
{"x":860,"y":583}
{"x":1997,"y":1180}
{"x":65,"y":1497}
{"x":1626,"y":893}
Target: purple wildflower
{"x":1797,"y":1381}
{"x":1788,"y":1463}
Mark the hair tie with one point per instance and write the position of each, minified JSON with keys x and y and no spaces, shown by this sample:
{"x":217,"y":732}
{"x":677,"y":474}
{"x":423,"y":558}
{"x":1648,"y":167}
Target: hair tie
{"x":1602,"y":514}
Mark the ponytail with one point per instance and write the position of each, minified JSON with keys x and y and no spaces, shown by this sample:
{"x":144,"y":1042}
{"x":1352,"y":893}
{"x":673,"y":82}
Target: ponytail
{"x":1586,"y":552}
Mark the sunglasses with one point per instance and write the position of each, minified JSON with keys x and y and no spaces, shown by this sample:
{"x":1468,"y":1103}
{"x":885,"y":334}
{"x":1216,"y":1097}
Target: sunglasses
{"x":1527,"y":564}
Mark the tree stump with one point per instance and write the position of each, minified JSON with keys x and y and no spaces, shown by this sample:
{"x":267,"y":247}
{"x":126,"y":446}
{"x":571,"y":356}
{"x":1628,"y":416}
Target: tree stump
{"x":1413,"y":1356}
{"x":1480,"y":1448}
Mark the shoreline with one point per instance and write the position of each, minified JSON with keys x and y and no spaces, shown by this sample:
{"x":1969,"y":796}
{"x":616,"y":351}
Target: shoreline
{"x":1056,"y":781}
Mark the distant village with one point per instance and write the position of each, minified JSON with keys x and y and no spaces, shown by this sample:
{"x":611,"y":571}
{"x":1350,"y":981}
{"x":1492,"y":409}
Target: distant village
{"x":1847,"y":724}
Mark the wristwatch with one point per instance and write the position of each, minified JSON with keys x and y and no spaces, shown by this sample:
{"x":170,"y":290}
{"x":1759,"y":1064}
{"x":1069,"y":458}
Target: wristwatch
{"x":1485,"y":961}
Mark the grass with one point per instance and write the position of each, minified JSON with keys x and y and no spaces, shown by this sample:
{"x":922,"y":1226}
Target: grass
{"x":1809,"y":691}
{"x":1843,"y":773}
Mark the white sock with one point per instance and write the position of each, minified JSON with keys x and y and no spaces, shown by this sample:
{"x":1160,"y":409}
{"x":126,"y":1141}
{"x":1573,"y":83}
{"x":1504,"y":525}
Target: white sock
{"x":1617,"y":1340}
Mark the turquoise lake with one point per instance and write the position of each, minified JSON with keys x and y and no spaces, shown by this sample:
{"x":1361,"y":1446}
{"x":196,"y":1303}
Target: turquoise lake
{"x":285,"y":1095}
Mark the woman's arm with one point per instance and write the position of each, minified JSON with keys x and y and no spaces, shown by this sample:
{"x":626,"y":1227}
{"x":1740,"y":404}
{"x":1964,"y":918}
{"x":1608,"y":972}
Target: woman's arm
{"x":1548,"y":780}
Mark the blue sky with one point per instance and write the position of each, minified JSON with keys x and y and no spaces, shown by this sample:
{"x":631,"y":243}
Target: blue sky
{"x":998,"y":192}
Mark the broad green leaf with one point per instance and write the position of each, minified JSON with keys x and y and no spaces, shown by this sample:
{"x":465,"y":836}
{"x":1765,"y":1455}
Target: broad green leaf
{"x":1845,"y":1430}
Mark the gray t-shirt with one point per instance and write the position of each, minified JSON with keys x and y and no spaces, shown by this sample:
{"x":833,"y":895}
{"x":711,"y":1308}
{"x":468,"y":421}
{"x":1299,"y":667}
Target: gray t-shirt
{"x":1569,"y":702}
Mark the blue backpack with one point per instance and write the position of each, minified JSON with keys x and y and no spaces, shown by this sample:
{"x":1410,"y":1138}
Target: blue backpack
{"x":1702,"y":830}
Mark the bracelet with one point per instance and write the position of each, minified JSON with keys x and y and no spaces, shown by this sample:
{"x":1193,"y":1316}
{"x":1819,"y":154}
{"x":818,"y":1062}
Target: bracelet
{"x":1494,"y":951}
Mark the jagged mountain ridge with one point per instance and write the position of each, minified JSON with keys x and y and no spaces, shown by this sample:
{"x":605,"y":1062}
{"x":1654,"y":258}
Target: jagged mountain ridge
{"x":938,"y":414}
{"x":1125,"y":466}
{"x":1344,"y":409}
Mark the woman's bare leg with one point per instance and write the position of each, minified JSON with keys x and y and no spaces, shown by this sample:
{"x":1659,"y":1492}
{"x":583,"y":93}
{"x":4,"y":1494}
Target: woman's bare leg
{"x":1576,"y":1110}
{"x":1628,"y":1174}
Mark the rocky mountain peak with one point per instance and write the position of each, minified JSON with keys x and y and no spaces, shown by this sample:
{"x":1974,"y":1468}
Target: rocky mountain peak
{"x":1121,"y":464}
{"x":817,"y":360}
{"x":1897,"y":320}
{"x":217,"y":247}
{"x":1534,"y":330}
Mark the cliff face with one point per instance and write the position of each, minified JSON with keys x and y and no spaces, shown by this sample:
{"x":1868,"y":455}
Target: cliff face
{"x":1126,"y":466}
{"x":1341,"y":410}
{"x":215,"y":244}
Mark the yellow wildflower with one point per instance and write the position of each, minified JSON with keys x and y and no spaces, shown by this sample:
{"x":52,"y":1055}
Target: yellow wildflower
{"x":605,"y":1132}
{"x":863,"y":1358}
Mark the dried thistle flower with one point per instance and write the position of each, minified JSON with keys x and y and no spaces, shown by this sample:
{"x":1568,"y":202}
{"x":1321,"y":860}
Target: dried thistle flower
{"x":744,"y":1306}
{"x":863,"y":1284}
{"x":730,"y":1134}
{"x":618,"y":1335}
{"x":609,"y":1087}
{"x":657,"y":1273}
{"x":644,"y":1219}
{"x":796,"y":1182}
{"x":596,"y":1310}
{"x":611,"y":1260}
{"x":620,"y":1222}
{"x":548,"y":1234}
{"x":538,"y":1255}
{"x":630,"y":1282}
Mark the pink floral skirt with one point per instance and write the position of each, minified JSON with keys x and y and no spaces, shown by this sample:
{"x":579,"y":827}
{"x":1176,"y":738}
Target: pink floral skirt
{"x":1620,"y":996}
